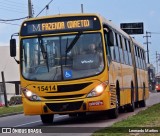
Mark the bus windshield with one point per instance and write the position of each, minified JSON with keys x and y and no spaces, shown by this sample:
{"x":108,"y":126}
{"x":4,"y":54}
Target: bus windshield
{"x":61,"y":58}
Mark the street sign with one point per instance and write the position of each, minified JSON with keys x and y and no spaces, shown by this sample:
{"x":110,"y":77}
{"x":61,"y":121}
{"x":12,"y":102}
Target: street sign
{"x":132,"y":28}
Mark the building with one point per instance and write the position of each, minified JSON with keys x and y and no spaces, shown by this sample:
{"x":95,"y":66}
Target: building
{"x":11,"y":73}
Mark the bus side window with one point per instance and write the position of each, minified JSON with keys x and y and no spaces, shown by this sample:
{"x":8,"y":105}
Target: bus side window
{"x":144,"y":60}
{"x":129,"y":52}
{"x":108,"y":50}
{"x":112,"y":44}
{"x":121,"y":49}
{"x":138,"y":50}
{"x":141,"y":58}
{"x":126,"y":51}
{"x":117,"y":49}
{"x":136,"y":56}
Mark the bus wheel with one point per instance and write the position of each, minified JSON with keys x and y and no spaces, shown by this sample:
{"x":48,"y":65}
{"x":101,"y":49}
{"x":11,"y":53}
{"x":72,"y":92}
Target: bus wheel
{"x":142,"y":103}
{"x":114,"y":113}
{"x":47,"y":118}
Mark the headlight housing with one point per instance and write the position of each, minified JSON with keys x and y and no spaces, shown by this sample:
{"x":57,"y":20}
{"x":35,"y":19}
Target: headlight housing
{"x":98,"y":90}
{"x":156,"y":86}
{"x":30,"y":95}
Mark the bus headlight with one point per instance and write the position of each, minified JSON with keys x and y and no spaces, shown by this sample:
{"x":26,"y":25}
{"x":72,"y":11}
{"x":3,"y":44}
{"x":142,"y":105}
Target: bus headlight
{"x":30,"y":95}
{"x":98,"y":90}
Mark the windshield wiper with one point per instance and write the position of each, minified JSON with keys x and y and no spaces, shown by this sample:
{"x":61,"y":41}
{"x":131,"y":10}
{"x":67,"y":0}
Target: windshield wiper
{"x":40,"y":42}
{"x":73,"y":42}
{"x":44,"y":52}
{"x":47,"y":62}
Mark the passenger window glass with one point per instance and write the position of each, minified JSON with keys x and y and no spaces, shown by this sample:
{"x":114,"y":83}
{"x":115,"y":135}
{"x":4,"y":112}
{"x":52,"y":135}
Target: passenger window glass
{"x":108,"y":51}
{"x":126,"y":52}
{"x":113,"y":42}
{"x":121,"y":49}
{"x":117,"y":49}
{"x":139,"y":65}
{"x":141,"y":59}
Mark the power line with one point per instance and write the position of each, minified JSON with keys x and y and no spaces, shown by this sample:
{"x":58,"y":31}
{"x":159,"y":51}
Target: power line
{"x":12,"y":10}
{"x":13,"y":5}
{"x":46,"y":7}
{"x":14,"y":2}
{"x":13,"y":19}
{"x":9,"y":23}
{"x":8,"y":5}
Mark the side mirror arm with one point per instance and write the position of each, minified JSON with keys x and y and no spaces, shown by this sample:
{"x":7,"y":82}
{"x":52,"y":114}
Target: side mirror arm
{"x":16,"y":60}
{"x":15,"y":34}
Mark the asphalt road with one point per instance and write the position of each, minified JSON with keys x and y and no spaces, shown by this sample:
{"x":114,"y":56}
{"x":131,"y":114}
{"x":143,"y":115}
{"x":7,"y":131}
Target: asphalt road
{"x":63,"y":124}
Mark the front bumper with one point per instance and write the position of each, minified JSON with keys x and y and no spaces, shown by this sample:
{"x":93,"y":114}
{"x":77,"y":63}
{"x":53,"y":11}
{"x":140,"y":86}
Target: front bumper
{"x":99,"y":103}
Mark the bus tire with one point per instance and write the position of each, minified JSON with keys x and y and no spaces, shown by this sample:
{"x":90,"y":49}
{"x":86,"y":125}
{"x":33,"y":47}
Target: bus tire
{"x":114,"y":113}
{"x":47,"y":118}
{"x":142,"y":103}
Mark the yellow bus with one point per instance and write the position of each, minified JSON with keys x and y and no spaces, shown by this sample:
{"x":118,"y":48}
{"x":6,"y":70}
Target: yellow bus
{"x":78,"y":63}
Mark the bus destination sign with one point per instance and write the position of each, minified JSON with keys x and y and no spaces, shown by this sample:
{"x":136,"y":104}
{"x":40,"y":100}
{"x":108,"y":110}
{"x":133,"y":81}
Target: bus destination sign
{"x":54,"y":25}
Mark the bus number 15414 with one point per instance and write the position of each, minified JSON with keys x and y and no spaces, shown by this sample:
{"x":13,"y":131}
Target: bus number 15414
{"x":47,"y":88}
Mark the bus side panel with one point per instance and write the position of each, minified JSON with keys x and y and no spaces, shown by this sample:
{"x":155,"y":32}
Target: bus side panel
{"x":127,"y":78}
{"x":146,"y":85}
{"x":139,"y":85}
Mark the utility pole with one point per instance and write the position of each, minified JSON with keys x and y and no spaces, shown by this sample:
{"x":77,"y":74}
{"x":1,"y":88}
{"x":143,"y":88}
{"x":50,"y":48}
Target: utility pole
{"x":30,"y":14}
{"x":148,"y":34}
{"x":81,"y":8}
{"x":4,"y":89}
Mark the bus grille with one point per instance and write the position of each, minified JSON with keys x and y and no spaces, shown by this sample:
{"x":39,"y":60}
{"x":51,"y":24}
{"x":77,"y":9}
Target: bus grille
{"x":72,"y":87}
{"x":60,"y":107}
{"x":64,"y":97}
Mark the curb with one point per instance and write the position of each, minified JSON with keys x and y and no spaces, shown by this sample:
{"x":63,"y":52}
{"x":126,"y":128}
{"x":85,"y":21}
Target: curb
{"x":10,"y":114}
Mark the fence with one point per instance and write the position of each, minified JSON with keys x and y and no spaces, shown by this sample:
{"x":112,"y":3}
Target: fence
{"x":11,"y":90}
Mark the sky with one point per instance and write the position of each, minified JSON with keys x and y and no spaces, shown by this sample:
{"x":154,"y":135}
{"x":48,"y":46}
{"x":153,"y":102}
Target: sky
{"x":119,"y":11}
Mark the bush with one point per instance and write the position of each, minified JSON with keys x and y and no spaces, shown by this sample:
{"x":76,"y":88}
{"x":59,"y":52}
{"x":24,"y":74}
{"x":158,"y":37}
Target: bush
{"x":16,"y":99}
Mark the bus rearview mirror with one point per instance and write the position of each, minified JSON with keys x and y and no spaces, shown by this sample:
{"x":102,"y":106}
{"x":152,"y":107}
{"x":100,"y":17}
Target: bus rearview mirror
{"x":13,"y":47}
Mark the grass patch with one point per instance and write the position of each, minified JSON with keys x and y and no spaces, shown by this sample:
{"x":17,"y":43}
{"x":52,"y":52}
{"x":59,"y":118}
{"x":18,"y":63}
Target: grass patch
{"x":11,"y":109}
{"x":149,"y":118}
